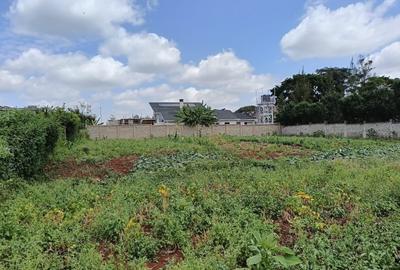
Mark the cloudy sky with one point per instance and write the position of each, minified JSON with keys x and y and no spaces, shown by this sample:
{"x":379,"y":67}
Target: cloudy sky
{"x":121,"y":54}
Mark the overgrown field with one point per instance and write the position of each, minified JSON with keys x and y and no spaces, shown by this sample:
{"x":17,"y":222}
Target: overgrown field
{"x":207,"y":203}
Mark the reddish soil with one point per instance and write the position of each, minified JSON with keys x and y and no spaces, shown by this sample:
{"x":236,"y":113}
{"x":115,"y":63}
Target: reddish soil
{"x":164,"y":257}
{"x":121,"y":165}
{"x":286,"y":236}
{"x":261,"y":151}
{"x":106,"y":251}
{"x":97,"y":171}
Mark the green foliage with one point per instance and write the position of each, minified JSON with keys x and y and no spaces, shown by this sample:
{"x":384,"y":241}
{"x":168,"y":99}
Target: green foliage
{"x":70,"y":121}
{"x":30,"y":139}
{"x":249,"y":110}
{"x":372,"y":133}
{"x":197,"y":116}
{"x":269,"y":254}
{"x":336,"y":95}
{"x":173,"y":162}
{"x":222,"y":210}
{"x":5,"y":156}
{"x":319,"y":133}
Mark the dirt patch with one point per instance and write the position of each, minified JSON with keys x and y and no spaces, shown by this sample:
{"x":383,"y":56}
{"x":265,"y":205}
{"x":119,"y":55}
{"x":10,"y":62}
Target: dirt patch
{"x":106,"y":251}
{"x":96,"y":171}
{"x":198,"y":240}
{"x":286,"y":236}
{"x":349,"y":208}
{"x":121,"y":165}
{"x":164,"y":257}
{"x":262,"y":151}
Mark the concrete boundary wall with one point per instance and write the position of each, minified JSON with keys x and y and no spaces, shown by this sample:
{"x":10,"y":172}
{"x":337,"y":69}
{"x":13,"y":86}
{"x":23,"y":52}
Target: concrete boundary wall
{"x":152,"y":131}
{"x":386,"y":130}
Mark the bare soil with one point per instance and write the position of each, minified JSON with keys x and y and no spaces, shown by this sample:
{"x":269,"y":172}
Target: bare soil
{"x":98,"y":171}
{"x":286,"y":235}
{"x":262,"y":151}
{"x":165,"y":257}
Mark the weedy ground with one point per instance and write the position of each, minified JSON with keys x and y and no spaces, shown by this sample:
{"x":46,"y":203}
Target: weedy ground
{"x":198,"y":203}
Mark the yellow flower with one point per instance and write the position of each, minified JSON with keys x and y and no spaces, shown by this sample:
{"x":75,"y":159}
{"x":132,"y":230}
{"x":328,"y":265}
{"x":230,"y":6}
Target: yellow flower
{"x":130,"y":225}
{"x":320,"y":225}
{"x":163,"y":190}
{"x":56,"y":216}
{"x":304,"y":196}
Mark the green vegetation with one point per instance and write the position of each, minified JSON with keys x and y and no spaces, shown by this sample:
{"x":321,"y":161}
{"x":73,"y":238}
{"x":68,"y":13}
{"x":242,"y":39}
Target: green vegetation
{"x":209,"y":203}
{"x":28,"y":138}
{"x":249,"y":110}
{"x":197,"y":116}
{"x":336,"y":95}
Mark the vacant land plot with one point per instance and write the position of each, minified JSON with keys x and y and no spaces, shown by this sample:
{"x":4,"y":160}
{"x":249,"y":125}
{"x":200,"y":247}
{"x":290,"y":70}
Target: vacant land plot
{"x":208,"y":203}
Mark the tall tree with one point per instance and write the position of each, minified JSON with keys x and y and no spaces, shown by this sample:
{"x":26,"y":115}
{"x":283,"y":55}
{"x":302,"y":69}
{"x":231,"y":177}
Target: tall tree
{"x":338,"y":94}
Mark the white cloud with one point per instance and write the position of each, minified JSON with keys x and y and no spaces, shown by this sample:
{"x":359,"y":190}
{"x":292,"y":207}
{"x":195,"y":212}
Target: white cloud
{"x":227,"y":73}
{"x":72,"y":18}
{"x":9,"y":81}
{"x":63,"y":77}
{"x":355,"y":29}
{"x":76,"y":70}
{"x":387,"y":61}
{"x":146,"y":52}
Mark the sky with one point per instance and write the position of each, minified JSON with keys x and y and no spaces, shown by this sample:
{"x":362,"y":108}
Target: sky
{"x":118,"y":55}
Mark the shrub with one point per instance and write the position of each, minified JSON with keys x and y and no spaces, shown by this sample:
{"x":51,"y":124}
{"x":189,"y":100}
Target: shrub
{"x":319,"y":133}
{"x":5,"y":156}
{"x":372,"y":133}
{"x":70,"y":121}
{"x":30,"y":139}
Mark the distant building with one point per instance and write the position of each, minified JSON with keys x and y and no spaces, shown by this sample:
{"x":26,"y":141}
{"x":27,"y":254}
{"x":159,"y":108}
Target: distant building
{"x":165,"y":112}
{"x":5,"y":108}
{"x":227,"y":117}
{"x":266,"y":109}
{"x":130,"y":121}
{"x":30,"y":108}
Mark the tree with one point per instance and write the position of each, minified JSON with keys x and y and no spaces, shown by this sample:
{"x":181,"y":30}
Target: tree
{"x":249,"y":110}
{"x":335,"y":95}
{"x":201,"y":115}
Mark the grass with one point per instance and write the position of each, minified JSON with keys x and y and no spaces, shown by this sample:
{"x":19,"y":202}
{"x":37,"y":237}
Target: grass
{"x":206,"y":203}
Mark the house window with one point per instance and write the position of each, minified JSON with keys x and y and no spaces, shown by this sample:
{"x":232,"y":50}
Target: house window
{"x":227,"y":123}
{"x":245,"y":123}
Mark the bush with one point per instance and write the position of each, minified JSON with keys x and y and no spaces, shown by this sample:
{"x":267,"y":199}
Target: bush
{"x":319,"y":133}
{"x":70,"y":122}
{"x":5,"y":156}
{"x":28,"y":140}
{"x":372,"y":133}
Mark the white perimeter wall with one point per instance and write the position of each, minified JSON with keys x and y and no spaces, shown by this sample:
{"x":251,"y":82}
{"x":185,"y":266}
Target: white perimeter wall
{"x":387,"y":129}
{"x":150,"y":131}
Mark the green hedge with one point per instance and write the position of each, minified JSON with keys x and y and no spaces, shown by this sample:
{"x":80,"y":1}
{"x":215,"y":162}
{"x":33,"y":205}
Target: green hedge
{"x":5,"y":159}
{"x":28,"y":138}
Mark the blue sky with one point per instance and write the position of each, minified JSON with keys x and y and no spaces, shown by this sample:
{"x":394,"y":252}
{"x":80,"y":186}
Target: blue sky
{"x":121,"y":54}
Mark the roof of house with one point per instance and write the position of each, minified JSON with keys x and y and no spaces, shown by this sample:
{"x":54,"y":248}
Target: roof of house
{"x":168,"y":110}
{"x":225,"y":114}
